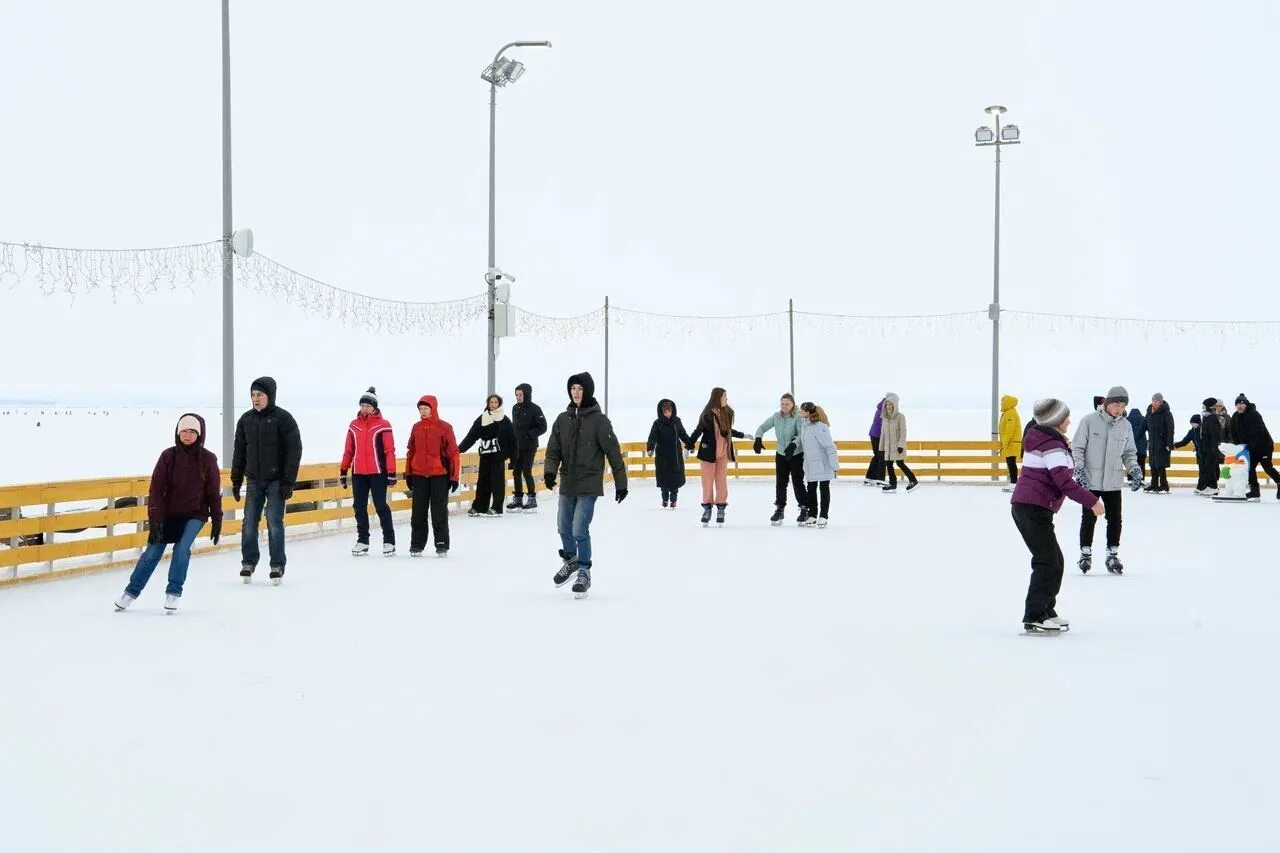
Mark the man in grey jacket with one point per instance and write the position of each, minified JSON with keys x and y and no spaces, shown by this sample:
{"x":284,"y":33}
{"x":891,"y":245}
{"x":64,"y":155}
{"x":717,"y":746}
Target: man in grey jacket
{"x":581,"y":439}
{"x":1105,"y":457}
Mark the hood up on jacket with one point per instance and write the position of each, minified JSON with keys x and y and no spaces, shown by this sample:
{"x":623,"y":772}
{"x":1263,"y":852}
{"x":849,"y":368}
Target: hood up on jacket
{"x":890,"y":405}
{"x":267,"y":386}
{"x":588,"y":389}
{"x":528,"y":391}
{"x":674,"y":412}
{"x":177,"y":440}
{"x":1007,"y":402}
{"x":435,"y":408}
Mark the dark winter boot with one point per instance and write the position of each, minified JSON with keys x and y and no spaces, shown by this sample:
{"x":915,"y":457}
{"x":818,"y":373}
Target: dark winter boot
{"x":567,"y":570}
{"x":583,"y":584}
{"x":517,"y":502}
{"x":530,"y":504}
{"x":706,"y":514}
{"x":776,"y":518}
{"x":720,"y":513}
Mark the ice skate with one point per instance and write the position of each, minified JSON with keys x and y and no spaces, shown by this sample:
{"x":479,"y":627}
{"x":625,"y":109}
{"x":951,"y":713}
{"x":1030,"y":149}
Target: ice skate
{"x":1043,"y":627}
{"x":582,"y":585}
{"x":1009,"y":488}
{"x":388,"y":549}
{"x":803,"y":516}
{"x":441,"y":551}
{"x":720,"y":514}
{"x":415,"y":552}
{"x":888,"y":490}
{"x":567,"y":570}
{"x":360,"y":549}
{"x":1085,"y":563}
{"x":912,"y":486}
{"x":530,"y":504}
{"x":867,"y":481}
{"x":1113,"y":563}
{"x":1063,"y":624}
{"x":673,"y":503}
{"x":123,"y":602}
{"x":517,"y":503}
{"x":246,"y":572}
{"x":665,"y":504}
{"x":706,"y":514}
{"x":1209,"y":492}
{"x":822,"y":522}
{"x":277,"y":575}
{"x":776,"y":518}
{"x":474,"y":513}
{"x":170,"y":604}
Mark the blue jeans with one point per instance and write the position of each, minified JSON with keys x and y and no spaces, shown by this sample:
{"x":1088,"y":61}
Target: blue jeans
{"x":256,"y":496}
{"x":177,"y":564}
{"x":573,"y":521}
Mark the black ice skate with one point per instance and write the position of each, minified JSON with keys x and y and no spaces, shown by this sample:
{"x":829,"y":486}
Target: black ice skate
{"x":517,"y":502}
{"x":442,"y":551}
{"x":567,"y":570}
{"x":582,"y":585}
{"x":246,"y":572}
{"x":888,"y":490}
{"x":1085,"y":563}
{"x":720,"y":513}
{"x":277,"y":575}
{"x":530,"y":504}
{"x":776,"y":518}
{"x":706,"y":514}
{"x":1113,"y":563}
{"x":803,"y":516}
{"x":912,"y":486}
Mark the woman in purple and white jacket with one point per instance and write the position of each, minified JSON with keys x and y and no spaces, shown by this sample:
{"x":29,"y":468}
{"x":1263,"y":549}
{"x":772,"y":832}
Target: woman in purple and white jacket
{"x":875,"y":471}
{"x":1047,"y":480}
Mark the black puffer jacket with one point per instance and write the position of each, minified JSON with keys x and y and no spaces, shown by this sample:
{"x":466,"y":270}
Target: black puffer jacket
{"x":268,"y":444}
{"x":498,"y":437}
{"x":1249,"y":428}
{"x":581,"y":439}
{"x":667,"y":440}
{"x":528,"y":420}
{"x":1160,"y":436}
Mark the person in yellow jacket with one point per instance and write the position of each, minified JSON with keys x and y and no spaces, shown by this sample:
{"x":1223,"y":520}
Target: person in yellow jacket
{"x":1010,"y":437}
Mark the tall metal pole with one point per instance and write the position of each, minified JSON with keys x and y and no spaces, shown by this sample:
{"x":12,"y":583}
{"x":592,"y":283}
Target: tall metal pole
{"x":493,"y":260}
{"x":995,"y":306}
{"x":791,"y":333}
{"x":606,"y":355}
{"x":228,"y":266}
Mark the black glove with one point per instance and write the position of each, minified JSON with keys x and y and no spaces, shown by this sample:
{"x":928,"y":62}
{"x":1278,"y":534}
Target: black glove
{"x":216,"y":533}
{"x":235,"y":491}
{"x":900,"y":451}
{"x":391,"y":480}
{"x":453,"y":485}
{"x":342,"y":478}
{"x":155,"y":533}
{"x":550,"y":480}
{"x":758,"y":447}
{"x":286,"y":491}
{"x":620,"y":495}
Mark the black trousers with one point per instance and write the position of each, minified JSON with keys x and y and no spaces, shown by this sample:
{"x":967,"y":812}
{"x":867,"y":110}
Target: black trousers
{"x":430,"y":500}
{"x":1035,"y":523}
{"x":893,"y":478}
{"x":1012,"y":462}
{"x":491,"y":484}
{"x":1255,"y":490}
{"x":362,"y":487}
{"x":670,"y":495}
{"x":788,"y":470}
{"x":821,"y":488}
{"x":1209,"y":471}
{"x":523,"y":479}
{"x":1159,"y":478}
{"x":875,"y":471}
{"x":1142,"y":463}
{"x":1088,"y":521}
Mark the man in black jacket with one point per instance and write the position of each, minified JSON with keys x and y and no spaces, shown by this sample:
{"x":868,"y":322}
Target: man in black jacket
{"x":581,"y":439}
{"x":1248,"y":428}
{"x":268,"y":450}
{"x":1160,"y":439}
{"x":529,"y":423}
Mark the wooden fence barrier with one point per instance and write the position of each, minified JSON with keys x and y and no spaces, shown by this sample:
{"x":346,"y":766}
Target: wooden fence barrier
{"x":67,"y":528}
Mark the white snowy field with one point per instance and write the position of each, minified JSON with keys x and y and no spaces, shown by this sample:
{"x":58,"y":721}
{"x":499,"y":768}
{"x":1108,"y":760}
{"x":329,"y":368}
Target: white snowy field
{"x":864,"y":687}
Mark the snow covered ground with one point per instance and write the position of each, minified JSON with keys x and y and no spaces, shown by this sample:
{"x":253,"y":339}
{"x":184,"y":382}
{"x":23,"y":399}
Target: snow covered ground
{"x":861,"y":688}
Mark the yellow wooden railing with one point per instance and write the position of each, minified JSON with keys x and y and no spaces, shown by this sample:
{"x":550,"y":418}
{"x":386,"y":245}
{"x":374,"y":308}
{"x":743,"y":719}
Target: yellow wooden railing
{"x":52,"y":529}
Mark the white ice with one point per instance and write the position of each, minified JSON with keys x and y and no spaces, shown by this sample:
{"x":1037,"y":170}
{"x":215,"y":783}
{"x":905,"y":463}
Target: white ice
{"x":860,"y":688}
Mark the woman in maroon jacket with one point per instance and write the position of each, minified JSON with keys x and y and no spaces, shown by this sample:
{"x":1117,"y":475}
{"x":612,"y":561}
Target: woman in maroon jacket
{"x":1047,"y":480}
{"x":185,"y":493}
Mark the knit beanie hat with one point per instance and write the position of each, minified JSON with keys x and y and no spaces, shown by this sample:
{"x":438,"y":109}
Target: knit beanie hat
{"x":1119,"y":395}
{"x":370,"y":397}
{"x":189,"y":422}
{"x":1051,"y":412}
{"x":1157,"y":397}
{"x":1210,"y":402}
{"x":1241,"y":398}
{"x":1195,"y":419}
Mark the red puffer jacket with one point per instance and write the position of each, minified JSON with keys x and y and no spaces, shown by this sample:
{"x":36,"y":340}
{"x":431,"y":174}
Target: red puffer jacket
{"x":370,"y":449}
{"x":433,"y":448}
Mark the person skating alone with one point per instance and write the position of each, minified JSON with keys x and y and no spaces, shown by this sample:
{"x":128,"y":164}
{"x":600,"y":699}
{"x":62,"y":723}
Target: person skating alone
{"x":1161,"y":429}
{"x":1047,"y":480}
{"x":268,"y":451}
{"x":788,"y":461}
{"x":1010,"y":437}
{"x":185,"y":493}
{"x":497,"y":439}
{"x":431,"y":471}
{"x":1105,"y":458}
{"x":666,"y":444}
{"x":875,"y":470}
{"x":581,"y":440}
{"x":821,"y":463}
{"x":369,"y":467}
{"x":715,"y":429}
{"x":893,"y":443}
{"x":529,"y":423}
{"x":1248,"y":428}
{"x":1138,"y":422}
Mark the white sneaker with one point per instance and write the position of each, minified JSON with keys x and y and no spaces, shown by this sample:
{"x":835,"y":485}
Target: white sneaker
{"x":123,"y":602}
{"x":388,"y":549}
{"x":170,"y":604}
{"x":360,"y":549}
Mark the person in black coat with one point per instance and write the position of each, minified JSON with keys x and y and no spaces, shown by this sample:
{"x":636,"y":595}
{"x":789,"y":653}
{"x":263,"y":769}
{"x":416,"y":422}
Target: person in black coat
{"x":1248,"y":428}
{"x":667,"y":441}
{"x":528,"y":422}
{"x":497,"y":440}
{"x":1139,"y":424}
{"x":1160,"y":438}
{"x":1206,"y":435}
{"x":267,"y":452}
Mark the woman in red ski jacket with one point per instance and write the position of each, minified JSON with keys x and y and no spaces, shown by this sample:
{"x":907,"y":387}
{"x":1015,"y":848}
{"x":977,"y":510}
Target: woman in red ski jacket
{"x":431,"y":470}
{"x":370,"y":456}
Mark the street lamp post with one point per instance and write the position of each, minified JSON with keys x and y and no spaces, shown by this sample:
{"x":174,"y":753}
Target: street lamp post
{"x":499,"y":73}
{"x":986,"y":137}
{"x":228,"y":267}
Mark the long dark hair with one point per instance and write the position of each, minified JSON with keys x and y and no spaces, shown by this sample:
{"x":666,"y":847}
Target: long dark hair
{"x":726,"y":413}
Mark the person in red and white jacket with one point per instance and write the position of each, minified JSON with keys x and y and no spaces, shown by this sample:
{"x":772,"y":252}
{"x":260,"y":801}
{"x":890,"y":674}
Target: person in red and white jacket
{"x":370,"y":457}
{"x":431,"y":469}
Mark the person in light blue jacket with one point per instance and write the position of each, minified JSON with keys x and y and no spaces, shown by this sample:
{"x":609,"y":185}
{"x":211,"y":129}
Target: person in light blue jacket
{"x":821,"y":462}
{"x":788,"y":461}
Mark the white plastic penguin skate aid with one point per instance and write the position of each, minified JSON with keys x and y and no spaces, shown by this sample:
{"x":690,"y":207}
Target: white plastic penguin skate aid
{"x":1233,"y":486}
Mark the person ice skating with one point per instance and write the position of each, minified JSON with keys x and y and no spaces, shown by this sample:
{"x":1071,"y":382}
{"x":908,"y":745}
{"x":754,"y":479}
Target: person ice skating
{"x":666,"y":444}
{"x":581,"y":440}
{"x":1104,"y":456}
{"x":715,"y":429}
{"x":528,"y":422}
{"x":1047,"y":480}
{"x":1248,"y":428}
{"x":185,"y":493}
{"x":268,"y":450}
{"x":875,"y":470}
{"x":497,"y":438}
{"x":1224,"y":418}
{"x":1161,"y":429}
{"x":821,"y":462}
{"x":431,"y":470}
{"x":1138,"y":422}
{"x":369,"y":456}
{"x":1010,"y":437}
{"x":1205,"y":434}
{"x":788,"y":461}
{"x":893,"y":443}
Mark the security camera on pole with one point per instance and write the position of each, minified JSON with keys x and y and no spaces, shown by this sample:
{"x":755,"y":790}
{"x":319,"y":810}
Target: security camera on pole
{"x":500,"y":318}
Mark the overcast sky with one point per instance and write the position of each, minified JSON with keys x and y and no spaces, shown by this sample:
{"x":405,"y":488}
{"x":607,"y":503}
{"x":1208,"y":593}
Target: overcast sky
{"x":681,"y":157}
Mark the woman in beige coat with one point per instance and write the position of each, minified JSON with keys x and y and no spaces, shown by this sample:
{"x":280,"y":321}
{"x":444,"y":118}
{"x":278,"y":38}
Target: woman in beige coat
{"x":893,"y":442}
